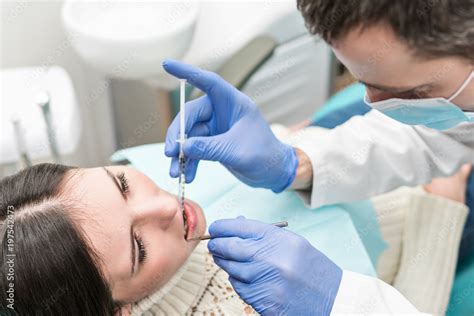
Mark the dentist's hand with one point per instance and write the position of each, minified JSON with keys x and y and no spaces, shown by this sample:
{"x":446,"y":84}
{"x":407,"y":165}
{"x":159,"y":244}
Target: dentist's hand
{"x":273,"y":269}
{"x":226,"y":126}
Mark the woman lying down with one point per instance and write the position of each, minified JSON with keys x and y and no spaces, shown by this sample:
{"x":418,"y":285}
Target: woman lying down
{"x":89,"y":242}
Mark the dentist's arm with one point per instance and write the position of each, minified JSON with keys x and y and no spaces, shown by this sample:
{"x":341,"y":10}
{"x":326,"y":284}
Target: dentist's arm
{"x":304,"y":171}
{"x":364,"y":157}
{"x":373,"y":154}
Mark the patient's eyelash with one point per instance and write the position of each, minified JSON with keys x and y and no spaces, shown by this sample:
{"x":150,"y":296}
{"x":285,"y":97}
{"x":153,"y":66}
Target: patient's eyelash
{"x":123,"y":182}
{"x":141,"y":248}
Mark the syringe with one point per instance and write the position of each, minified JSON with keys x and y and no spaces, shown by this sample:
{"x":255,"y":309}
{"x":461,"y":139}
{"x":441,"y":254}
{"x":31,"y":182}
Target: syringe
{"x":182,"y":137}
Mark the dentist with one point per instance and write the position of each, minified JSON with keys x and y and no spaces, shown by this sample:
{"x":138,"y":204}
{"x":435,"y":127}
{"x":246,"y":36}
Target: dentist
{"x":417,"y":62}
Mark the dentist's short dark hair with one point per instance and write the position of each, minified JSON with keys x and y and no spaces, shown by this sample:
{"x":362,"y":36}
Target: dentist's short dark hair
{"x":432,"y":28}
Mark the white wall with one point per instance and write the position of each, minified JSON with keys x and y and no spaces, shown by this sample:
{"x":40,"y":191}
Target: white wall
{"x":31,"y":34}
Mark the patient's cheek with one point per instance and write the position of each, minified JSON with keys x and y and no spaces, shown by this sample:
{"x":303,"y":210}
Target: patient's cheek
{"x":163,"y":268}
{"x":148,"y":286}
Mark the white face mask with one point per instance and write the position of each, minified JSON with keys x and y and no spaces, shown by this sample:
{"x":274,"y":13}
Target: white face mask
{"x":437,"y":113}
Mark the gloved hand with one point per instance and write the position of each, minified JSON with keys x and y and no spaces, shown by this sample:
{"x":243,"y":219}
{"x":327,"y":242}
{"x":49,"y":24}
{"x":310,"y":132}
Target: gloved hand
{"x":226,"y":126}
{"x":274,"y":270}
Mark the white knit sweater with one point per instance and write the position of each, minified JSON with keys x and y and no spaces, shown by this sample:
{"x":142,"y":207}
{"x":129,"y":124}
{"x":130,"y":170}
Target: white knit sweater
{"x":198,"y":288}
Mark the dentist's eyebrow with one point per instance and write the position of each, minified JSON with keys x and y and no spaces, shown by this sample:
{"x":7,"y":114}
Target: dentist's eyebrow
{"x":132,"y":239}
{"x":395,"y":89}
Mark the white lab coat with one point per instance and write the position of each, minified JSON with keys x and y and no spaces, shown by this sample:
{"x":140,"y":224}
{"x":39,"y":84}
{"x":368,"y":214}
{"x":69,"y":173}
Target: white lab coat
{"x":362,"y":295}
{"x":374,"y":154}
{"x":370,"y":155}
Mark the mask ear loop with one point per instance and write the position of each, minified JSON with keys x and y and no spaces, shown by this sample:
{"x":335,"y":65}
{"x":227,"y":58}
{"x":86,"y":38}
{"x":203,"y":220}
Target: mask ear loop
{"x":464,"y":85}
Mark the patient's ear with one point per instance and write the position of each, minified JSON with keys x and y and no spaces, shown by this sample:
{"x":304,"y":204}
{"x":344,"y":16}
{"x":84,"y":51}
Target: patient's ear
{"x":124,"y":310}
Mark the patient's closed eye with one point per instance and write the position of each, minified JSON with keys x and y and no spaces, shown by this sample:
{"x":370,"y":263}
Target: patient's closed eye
{"x":120,"y":181}
{"x":123,"y":182}
{"x":141,"y":248}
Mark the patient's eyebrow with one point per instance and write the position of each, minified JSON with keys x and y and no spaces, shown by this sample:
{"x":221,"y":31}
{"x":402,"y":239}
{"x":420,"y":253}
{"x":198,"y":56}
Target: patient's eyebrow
{"x":132,"y":239}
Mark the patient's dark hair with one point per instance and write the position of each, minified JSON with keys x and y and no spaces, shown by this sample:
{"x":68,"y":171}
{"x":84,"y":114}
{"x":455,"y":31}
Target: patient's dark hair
{"x":433,"y":28}
{"x":55,"y":271}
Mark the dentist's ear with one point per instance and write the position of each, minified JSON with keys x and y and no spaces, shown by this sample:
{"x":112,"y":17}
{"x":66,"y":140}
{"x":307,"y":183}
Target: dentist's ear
{"x":125,"y":310}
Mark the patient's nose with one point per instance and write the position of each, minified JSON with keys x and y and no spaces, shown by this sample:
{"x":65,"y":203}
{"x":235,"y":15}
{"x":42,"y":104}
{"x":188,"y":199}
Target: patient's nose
{"x":157,"y":210}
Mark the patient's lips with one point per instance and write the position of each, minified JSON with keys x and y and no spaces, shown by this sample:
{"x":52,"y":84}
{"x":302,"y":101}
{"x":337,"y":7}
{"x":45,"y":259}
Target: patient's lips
{"x":189,"y":220}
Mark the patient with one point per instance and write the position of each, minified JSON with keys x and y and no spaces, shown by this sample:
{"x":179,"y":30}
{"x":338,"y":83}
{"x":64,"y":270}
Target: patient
{"x":91,"y":241}
{"x":106,"y":241}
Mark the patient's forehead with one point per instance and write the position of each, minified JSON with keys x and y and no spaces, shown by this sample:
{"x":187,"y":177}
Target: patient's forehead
{"x":105,"y":218}
{"x":91,"y":185}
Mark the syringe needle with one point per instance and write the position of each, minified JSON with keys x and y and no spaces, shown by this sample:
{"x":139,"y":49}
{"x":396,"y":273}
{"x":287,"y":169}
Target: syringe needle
{"x":182,"y":136}
{"x":182,"y":180}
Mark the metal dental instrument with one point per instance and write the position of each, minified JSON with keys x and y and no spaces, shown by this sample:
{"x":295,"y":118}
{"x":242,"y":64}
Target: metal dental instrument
{"x":205,"y":237}
{"x":182,"y":136}
{"x":43,"y":102}
{"x":20,"y":142}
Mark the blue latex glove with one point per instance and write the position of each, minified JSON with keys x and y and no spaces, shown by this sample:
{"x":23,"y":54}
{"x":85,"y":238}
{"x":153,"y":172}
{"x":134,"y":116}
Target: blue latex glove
{"x":274,"y":270}
{"x":226,"y":126}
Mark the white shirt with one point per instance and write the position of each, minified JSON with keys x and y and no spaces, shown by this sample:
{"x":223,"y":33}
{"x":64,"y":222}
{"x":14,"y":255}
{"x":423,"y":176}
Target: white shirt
{"x":367,"y":156}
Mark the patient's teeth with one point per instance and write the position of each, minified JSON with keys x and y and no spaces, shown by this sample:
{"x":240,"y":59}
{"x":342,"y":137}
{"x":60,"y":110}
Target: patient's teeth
{"x":185,"y":222}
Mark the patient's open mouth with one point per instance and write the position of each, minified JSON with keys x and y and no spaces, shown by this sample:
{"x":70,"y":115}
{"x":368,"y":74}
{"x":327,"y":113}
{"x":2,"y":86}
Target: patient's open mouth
{"x":189,"y":220}
{"x":185,"y":222}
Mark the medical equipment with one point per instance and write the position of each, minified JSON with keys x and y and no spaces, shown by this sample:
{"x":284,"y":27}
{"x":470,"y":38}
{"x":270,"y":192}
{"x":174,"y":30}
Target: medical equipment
{"x":20,"y":142}
{"x":205,"y":237}
{"x":19,"y":99}
{"x":182,"y":136}
{"x":43,"y":101}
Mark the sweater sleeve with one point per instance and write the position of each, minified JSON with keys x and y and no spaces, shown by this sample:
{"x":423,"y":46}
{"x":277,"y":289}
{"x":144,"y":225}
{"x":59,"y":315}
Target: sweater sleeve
{"x":431,"y":238}
{"x":423,"y":233}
